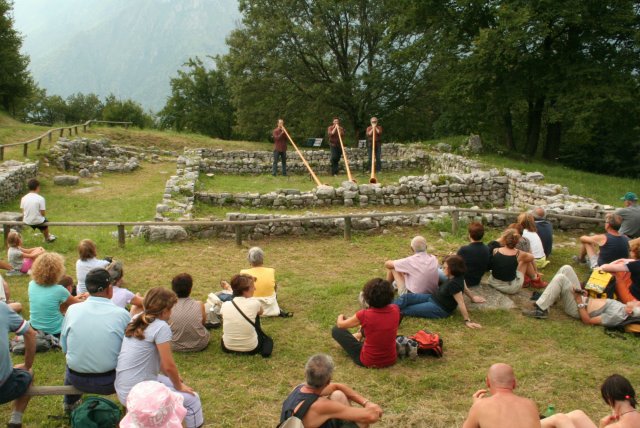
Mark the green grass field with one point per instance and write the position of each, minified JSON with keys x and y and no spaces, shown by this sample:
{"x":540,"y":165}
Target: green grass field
{"x":558,"y":361}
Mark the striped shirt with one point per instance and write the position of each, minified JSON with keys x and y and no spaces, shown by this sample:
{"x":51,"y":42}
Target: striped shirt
{"x":186,"y":325}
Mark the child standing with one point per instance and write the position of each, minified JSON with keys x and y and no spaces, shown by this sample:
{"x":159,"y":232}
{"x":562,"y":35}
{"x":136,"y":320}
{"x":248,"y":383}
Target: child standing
{"x":20,"y":258}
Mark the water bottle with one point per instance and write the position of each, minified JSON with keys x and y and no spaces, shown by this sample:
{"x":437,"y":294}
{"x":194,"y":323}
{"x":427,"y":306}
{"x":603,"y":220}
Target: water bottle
{"x":551,"y":410}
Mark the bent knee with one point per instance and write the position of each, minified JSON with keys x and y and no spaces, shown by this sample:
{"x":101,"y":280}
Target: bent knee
{"x":339,"y":396}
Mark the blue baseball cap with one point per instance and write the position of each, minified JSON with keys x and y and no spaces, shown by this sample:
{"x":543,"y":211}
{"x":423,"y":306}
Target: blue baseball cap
{"x":629,"y":196}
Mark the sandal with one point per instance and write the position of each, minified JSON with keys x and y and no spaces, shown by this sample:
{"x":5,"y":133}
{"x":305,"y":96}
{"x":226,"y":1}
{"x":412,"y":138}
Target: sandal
{"x":284,"y":314}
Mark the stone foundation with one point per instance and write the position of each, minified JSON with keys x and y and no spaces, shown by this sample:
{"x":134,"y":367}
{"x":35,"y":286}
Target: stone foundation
{"x":13,"y":179}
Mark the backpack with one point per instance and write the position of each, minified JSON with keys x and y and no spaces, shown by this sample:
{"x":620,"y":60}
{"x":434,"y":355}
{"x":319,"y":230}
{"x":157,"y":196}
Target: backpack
{"x":601,"y":285}
{"x":295,"y":420}
{"x":428,"y":343}
{"x":96,"y":412}
{"x":44,"y":342}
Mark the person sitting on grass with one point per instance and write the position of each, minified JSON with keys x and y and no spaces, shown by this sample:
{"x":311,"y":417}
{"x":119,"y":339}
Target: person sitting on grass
{"x":87,"y":253}
{"x":238,"y":335}
{"x":619,"y":395}
{"x":91,"y":339}
{"x":187,"y":318}
{"x":565,"y":286}
{"x":151,"y":404}
{"x":544,"y":230}
{"x":503,"y":408}
{"x":627,"y":273}
{"x":476,"y":255}
{"x":15,"y":380}
{"x":265,"y":284}
{"x":5,"y":296}
{"x":67,"y":282}
{"x":21,"y":259}
{"x":121,"y":296}
{"x":446,"y":299}
{"x":48,"y":300}
{"x":331,"y":403}
{"x":379,"y":327}
{"x":417,"y":273}
{"x":511,"y":268}
{"x":605,"y":247}
{"x":530,"y":231}
{"x":146,"y":353}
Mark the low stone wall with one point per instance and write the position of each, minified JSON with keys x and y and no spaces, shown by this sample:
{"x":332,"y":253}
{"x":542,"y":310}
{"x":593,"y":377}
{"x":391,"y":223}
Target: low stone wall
{"x":13,"y":179}
{"x":395,"y":157}
{"x":179,"y":192}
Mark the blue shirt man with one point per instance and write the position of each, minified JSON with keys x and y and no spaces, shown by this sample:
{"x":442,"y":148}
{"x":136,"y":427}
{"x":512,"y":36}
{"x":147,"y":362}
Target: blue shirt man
{"x":91,"y":338}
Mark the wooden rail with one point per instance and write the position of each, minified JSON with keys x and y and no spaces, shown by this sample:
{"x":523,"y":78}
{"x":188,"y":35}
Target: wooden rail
{"x":454,"y":212}
{"x":72,"y":129}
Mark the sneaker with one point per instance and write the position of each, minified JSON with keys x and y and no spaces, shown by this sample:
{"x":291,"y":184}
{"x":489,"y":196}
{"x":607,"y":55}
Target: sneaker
{"x":577,"y":260}
{"x":51,"y":238}
{"x":536,"y":312}
{"x":538,"y":282}
{"x":401,"y":346}
{"x":412,"y":347}
{"x":13,"y":272}
{"x":68,"y":408}
{"x":535,"y":295}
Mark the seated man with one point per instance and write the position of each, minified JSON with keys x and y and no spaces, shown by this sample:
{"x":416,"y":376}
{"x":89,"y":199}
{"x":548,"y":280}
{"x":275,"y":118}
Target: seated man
{"x":503,"y":408}
{"x":5,"y":297}
{"x":545,"y":230}
{"x":566,"y":286}
{"x":630,"y":216}
{"x":613,"y":246}
{"x":417,"y":273}
{"x":475,"y":255}
{"x":15,"y":382}
{"x":331,"y":401}
{"x":91,"y":338}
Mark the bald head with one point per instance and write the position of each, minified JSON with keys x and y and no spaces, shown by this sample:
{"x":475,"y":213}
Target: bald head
{"x":501,"y":376}
{"x":539,"y":212}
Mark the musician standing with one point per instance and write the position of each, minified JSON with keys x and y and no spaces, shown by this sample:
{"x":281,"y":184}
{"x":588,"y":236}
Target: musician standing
{"x":378,"y":132}
{"x":335,"y":132}
{"x":279,"y":148}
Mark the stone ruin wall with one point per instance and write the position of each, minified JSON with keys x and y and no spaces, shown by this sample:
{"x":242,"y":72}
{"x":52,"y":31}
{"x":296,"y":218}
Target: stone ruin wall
{"x":13,"y":179}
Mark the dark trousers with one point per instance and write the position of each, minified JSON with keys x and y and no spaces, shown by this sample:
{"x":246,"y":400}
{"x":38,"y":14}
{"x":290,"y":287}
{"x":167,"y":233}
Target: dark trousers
{"x":378,"y":156}
{"x":336,"y":154}
{"x":283,"y":157}
{"x":99,"y":383}
{"x":348,"y":343}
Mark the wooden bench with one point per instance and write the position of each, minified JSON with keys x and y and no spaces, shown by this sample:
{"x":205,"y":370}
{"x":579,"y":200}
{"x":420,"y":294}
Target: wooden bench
{"x":53,"y":390}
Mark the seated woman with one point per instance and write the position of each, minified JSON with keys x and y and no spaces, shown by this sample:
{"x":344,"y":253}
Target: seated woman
{"x":509,"y":267}
{"x":48,"y":300}
{"x":187,"y":318}
{"x":87,"y":252}
{"x":530,"y":232}
{"x":238,"y":335}
{"x":265,"y":283}
{"x":20,"y":258}
{"x":379,"y":327}
{"x":443,"y":302}
{"x":565,"y":286}
{"x":121,"y":296}
{"x":619,"y":395}
{"x":146,"y":353}
{"x":627,"y":273}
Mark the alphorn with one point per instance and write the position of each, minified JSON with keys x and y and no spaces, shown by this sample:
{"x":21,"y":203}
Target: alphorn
{"x":373,"y":178}
{"x":304,"y":161}
{"x":346,"y":161}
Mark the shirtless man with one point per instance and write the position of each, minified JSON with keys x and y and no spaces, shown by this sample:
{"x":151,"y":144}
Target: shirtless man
{"x":330,"y":400}
{"x":503,"y":408}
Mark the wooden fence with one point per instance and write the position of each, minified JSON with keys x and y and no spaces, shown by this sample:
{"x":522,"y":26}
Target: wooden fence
{"x":72,"y":129}
{"x":237,"y":224}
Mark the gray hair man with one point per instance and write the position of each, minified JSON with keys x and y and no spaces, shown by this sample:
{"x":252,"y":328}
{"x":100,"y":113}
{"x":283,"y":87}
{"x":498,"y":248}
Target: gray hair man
{"x":331,"y":401}
{"x":630,"y":215}
{"x":544,"y":230}
{"x":417,"y":273}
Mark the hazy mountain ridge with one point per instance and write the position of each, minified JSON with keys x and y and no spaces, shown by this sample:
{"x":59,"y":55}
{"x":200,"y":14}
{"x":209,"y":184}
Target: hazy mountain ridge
{"x":130,"y":48}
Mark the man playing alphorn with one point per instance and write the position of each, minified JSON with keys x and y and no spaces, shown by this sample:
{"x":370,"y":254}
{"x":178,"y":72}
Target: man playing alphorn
{"x":378,"y":132}
{"x":279,"y":148}
{"x":335,"y":132}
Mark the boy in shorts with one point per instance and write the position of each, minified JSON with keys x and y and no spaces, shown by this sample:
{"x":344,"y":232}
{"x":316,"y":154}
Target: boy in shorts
{"x":33,"y":208}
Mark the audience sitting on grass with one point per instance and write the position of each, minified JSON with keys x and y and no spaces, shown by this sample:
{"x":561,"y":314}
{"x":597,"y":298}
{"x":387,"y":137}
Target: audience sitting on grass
{"x":530,"y":232}
{"x":447,"y":297}
{"x":121,"y":296}
{"x":627,"y":273}
{"x":91,"y":339}
{"x":146,"y":353}
{"x":67,"y":282}
{"x":417,"y":273}
{"x":378,"y":327}
{"x":48,"y":300}
{"x":630,"y":215}
{"x":503,"y":408}
{"x":151,"y":404}
{"x":20,"y":258}
{"x":544,"y":230}
{"x":187,"y":318}
{"x":565,"y":286}
{"x":619,"y":395}
{"x":522,"y":245}
{"x":5,"y":296}
{"x":87,"y":253}
{"x":476,"y":255}
{"x":329,"y":404}
{"x":265,"y":282}
{"x":511,"y":269}
{"x":15,"y":380}
{"x":238,"y":334}
{"x":596,"y":250}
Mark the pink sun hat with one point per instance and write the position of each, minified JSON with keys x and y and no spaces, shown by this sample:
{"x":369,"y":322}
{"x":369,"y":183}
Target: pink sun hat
{"x":151,"y":404}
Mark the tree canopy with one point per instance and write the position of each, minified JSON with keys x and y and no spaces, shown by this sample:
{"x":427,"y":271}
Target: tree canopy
{"x":15,"y":81}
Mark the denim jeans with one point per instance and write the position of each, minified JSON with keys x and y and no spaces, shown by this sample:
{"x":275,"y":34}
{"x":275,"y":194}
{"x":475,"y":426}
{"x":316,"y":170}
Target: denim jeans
{"x":420,"y":305}
{"x":283,"y":157}
{"x":378,"y":156}
{"x":102,"y":385}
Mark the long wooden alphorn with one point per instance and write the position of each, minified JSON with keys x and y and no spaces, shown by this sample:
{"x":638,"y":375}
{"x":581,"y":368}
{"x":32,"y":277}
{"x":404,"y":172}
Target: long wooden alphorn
{"x":346,"y":161}
{"x":304,"y":161}
{"x":373,"y":178}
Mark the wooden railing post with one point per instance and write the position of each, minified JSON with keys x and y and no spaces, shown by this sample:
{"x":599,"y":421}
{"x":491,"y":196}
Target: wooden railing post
{"x":25,"y":148}
{"x":84,"y":128}
{"x":455,"y":219}
{"x":1,"y":153}
{"x":50,"y":134}
{"x":347,"y":228}
{"x":39,"y":143}
{"x":75,"y":129}
{"x":61,"y":132}
{"x":121,"y":236}
{"x":238,"y":235}
{"x":6,"y":229}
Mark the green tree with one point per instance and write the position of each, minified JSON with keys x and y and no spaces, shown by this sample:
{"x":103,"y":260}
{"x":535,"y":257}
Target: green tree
{"x":45,"y":109}
{"x":125,"y":111}
{"x":15,"y":80}
{"x":81,"y":107}
{"x":200,"y":101}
